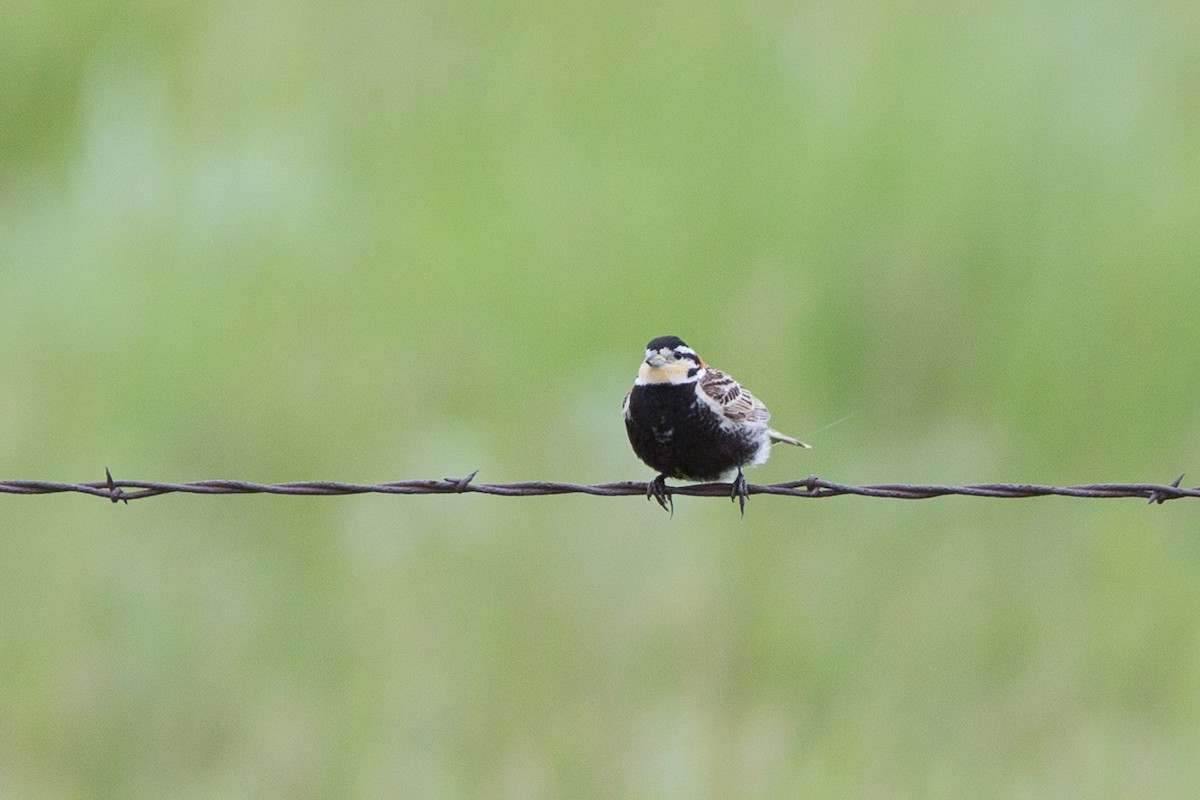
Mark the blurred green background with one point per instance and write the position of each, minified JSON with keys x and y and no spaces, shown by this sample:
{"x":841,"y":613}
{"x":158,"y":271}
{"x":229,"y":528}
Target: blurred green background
{"x":369,"y":241}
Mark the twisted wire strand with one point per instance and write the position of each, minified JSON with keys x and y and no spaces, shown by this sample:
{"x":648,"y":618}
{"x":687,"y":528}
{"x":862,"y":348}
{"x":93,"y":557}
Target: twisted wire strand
{"x":811,"y":487}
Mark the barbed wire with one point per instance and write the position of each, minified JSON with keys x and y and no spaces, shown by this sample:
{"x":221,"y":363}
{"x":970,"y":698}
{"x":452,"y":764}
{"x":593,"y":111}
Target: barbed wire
{"x":810,"y":487}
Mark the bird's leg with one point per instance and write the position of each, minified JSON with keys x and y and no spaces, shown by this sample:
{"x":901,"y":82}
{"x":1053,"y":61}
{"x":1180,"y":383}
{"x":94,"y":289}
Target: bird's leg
{"x":740,"y":491}
{"x":657,"y":490}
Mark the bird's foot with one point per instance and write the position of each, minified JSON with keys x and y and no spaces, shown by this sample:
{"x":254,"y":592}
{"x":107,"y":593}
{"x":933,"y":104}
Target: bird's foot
{"x":740,"y":491}
{"x":657,"y":491}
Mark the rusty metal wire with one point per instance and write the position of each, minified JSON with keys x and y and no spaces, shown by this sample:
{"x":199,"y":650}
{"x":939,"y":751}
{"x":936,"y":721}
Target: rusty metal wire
{"x":813,"y":487}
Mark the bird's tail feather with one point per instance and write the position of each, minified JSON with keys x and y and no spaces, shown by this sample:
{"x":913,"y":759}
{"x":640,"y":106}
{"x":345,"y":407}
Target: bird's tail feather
{"x":776,"y":436}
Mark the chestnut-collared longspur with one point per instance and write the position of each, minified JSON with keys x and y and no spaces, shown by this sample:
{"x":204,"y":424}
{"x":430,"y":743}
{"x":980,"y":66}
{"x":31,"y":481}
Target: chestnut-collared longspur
{"x":689,"y":421}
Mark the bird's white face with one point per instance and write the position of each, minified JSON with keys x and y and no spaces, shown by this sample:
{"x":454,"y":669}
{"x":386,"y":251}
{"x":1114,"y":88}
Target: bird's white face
{"x":670,"y":365}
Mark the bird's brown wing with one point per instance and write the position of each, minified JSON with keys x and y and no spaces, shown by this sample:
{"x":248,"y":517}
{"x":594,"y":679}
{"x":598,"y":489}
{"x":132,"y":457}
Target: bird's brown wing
{"x":732,"y":400}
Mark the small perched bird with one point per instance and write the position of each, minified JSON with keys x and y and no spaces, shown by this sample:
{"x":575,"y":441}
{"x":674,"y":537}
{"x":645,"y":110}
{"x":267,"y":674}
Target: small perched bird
{"x":689,"y":421}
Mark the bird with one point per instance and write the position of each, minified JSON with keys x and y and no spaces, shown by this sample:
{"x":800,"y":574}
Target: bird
{"x":689,"y":421}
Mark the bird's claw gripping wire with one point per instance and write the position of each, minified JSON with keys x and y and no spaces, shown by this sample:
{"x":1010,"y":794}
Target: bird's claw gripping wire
{"x":740,"y":491}
{"x":657,"y":491}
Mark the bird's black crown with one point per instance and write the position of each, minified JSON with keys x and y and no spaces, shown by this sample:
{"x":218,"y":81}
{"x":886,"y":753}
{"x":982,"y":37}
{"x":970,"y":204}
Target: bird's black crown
{"x":668,"y":342}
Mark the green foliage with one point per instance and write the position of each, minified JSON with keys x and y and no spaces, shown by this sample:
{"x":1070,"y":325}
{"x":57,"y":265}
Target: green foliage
{"x":365,"y":242}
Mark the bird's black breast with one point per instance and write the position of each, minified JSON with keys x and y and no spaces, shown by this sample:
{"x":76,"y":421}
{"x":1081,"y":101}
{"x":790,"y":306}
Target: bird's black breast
{"x":682,"y":437}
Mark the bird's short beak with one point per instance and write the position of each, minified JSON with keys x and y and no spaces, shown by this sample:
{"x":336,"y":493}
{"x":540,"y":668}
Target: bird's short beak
{"x":656,"y":360}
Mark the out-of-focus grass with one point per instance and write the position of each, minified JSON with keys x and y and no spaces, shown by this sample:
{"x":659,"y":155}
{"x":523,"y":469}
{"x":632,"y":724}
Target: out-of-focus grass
{"x":362,"y":242}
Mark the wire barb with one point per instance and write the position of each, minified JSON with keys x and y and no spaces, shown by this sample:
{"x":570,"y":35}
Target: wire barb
{"x":810,"y":487}
{"x":1159,"y":496}
{"x":114,"y":491}
{"x":460,"y":484}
